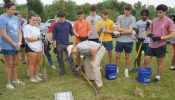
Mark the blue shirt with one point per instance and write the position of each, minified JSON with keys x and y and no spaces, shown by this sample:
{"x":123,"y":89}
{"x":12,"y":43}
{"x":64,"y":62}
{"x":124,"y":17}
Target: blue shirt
{"x":12,"y":26}
{"x":61,"y":32}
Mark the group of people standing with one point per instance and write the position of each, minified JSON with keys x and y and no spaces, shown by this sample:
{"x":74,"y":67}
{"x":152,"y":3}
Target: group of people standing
{"x":93,"y":38}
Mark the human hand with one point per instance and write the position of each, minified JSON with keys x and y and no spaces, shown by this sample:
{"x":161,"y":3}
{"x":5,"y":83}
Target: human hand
{"x":91,"y":63}
{"x":141,"y":39}
{"x":150,"y":35}
{"x":41,"y":37}
{"x":156,"y":38}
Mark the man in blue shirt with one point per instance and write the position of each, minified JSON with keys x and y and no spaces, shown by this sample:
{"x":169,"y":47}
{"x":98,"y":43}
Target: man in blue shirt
{"x":61,"y":31}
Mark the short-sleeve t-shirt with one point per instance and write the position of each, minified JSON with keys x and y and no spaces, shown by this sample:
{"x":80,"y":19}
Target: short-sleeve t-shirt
{"x":12,"y":26}
{"x":82,"y":28}
{"x":125,"y":22}
{"x":83,"y":47}
{"x":32,"y":31}
{"x":93,"y":20}
{"x":43,"y":28}
{"x":141,"y":25}
{"x":161,"y":27}
{"x":109,"y":26}
{"x":51,"y":26}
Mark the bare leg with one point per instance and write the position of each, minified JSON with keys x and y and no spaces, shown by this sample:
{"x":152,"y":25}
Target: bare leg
{"x":110,"y":56}
{"x":160,"y":66}
{"x":173,"y":60}
{"x":9,"y":65}
{"x":14,"y":68}
{"x":118,"y":54}
{"x":39,"y":55}
{"x":147,"y":61}
{"x":127,"y":60}
{"x":32,"y":58}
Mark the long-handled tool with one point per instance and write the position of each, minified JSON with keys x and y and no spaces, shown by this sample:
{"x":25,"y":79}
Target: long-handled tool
{"x":99,"y":96}
{"x":43,"y":68}
{"x":143,"y":36}
{"x":2,"y":60}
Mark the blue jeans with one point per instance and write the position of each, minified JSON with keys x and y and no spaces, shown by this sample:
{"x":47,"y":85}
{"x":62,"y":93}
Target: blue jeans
{"x":60,"y":49}
{"x":47,"y":53}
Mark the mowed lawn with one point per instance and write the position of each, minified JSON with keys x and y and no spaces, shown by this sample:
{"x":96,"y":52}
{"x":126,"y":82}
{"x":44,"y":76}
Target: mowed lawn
{"x":130,"y":89}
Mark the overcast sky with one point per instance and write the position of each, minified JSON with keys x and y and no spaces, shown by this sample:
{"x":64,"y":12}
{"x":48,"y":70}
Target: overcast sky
{"x":169,"y":3}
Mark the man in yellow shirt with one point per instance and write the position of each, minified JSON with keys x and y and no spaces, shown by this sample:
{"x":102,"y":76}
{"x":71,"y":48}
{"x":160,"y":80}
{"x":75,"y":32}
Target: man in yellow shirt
{"x":105,"y":29}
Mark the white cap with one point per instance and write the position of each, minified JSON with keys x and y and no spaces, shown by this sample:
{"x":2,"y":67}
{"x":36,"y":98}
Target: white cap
{"x":69,"y":49}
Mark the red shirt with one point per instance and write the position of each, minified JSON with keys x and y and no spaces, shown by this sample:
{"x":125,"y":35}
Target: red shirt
{"x":51,"y":26}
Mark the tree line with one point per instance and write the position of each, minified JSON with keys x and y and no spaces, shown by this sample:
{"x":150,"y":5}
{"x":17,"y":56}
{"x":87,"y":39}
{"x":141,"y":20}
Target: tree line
{"x":70,"y":7}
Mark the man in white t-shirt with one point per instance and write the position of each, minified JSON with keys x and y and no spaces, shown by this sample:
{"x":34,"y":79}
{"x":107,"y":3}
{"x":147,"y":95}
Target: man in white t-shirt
{"x":94,"y":53}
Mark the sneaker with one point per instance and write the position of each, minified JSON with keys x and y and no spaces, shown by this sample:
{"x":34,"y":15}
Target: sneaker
{"x":18,"y":82}
{"x":33,"y":80}
{"x":24,"y":62}
{"x":53,"y":67}
{"x":126,"y":74}
{"x":78,"y":68}
{"x":10,"y":87}
{"x":172,"y":69}
{"x":40,"y":74}
{"x":38,"y":78}
{"x":98,"y":87}
{"x":156,"y":80}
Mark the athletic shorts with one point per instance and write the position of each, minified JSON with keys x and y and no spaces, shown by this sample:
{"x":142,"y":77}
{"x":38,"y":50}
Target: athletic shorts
{"x":108,"y":45}
{"x":23,"y":46}
{"x":159,"y":52}
{"x":126,"y":46}
{"x":144,"y":46}
{"x":27,"y":49}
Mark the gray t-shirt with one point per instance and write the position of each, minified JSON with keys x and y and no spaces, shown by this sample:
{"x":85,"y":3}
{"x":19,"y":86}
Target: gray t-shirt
{"x":126,"y":22}
{"x":83,"y":47}
{"x":93,"y":22}
{"x":43,"y":28}
{"x":141,"y":25}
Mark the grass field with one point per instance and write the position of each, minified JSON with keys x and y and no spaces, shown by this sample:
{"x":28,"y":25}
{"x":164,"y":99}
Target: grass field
{"x":113,"y":90}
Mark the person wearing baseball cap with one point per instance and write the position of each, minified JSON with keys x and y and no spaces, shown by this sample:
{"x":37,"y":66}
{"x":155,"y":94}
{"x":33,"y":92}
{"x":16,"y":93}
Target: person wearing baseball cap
{"x":94,"y":53}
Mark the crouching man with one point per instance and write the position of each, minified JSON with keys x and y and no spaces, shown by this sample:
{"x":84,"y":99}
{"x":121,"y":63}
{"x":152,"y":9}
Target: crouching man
{"x":94,"y":53}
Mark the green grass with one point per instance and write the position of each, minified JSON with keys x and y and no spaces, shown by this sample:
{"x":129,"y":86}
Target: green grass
{"x":113,"y":90}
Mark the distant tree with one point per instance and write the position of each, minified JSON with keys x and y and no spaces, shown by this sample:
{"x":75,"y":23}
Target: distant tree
{"x":67,"y":5}
{"x":152,"y":12}
{"x":171,"y":11}
{"x":37,"y":6}
{"x":137,"y":7}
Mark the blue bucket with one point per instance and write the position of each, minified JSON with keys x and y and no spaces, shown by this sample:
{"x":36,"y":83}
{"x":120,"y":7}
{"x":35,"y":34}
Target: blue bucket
{"x":111,"y":71}
{"x":144,"y":75}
